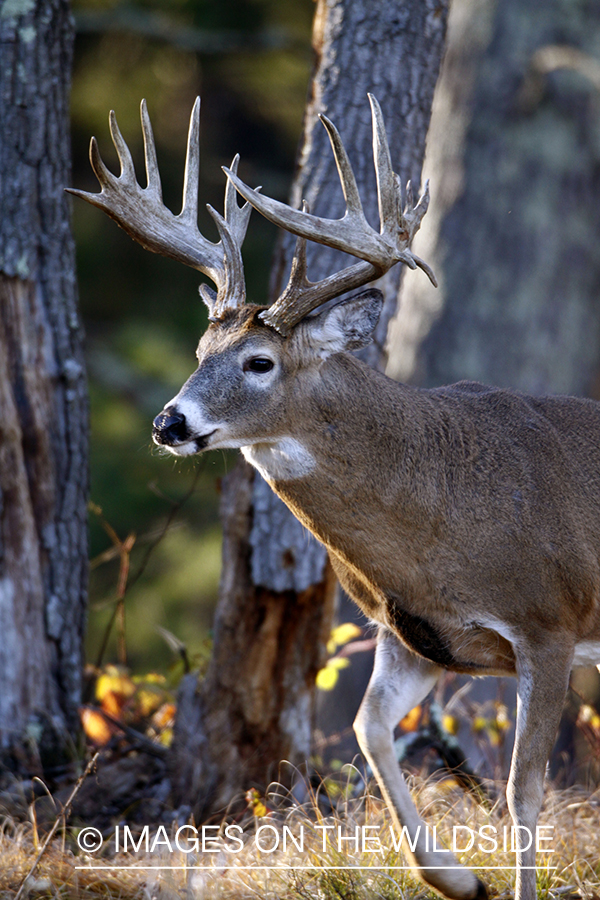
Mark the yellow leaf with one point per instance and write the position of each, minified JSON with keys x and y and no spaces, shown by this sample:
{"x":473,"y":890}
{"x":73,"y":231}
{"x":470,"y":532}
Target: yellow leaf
{"x":166,"y":737}
{"x":411,"y":720}
{"x":494,"y":736}
{"x":450,"y":724}
{"x":338,"y":662}
{"x":95,"y":726}
{"x":448,"y":784}
{"x":260,"y":810}
{"x":150,"y":678}
{"x":327,"y":678}
{"x":114,"y":681}
{"x":342,"y":634}
{"x":256,"y":804}
{"x":147,"y":701}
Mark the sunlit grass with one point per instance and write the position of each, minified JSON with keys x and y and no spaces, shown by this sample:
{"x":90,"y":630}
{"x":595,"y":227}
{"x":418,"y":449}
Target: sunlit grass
{"x":317,"y":871}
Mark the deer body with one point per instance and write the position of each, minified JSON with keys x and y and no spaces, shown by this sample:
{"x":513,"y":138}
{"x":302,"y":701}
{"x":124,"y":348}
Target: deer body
{"x":464,"y":520}
{"x":472,"y":497}
{"x":441,"y":509}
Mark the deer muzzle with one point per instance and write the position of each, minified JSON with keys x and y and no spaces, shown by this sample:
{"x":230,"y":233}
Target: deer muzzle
{"x":170,"y":427}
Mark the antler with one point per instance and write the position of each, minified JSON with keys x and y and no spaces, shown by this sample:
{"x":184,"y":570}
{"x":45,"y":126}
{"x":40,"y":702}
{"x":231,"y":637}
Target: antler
{"x":352,"y":233}
{"x":143,"y":215}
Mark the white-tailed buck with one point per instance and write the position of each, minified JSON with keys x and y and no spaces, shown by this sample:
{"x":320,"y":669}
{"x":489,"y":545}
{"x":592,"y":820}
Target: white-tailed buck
{"x":464,"y":520}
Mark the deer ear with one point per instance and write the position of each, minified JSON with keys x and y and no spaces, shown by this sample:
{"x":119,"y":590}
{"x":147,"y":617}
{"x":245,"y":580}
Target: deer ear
{"x":349,"y":325}
{"x":209,"y":296}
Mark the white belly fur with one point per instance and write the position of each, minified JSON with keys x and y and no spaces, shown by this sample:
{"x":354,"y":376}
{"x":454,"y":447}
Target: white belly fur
{"x":587,"y":653}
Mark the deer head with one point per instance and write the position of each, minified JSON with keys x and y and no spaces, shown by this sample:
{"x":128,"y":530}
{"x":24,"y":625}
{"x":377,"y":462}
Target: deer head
{"x":239,"y":394}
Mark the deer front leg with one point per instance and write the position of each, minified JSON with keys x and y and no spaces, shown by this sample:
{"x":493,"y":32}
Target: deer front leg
{"x":542,"y":681}
{"x":399,"y":682}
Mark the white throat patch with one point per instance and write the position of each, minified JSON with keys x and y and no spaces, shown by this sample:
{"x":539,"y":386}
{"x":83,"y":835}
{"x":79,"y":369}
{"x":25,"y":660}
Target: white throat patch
{"x":282,"y":460}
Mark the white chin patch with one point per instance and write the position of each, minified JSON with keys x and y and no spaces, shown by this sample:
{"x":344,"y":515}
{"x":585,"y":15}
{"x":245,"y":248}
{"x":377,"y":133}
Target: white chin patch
{"x":281,"y":460}
{"x":187,"y":449}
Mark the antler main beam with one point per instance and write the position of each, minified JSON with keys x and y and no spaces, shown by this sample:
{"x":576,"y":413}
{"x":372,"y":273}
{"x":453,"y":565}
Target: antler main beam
{"x":379,"y":251}
{"x":143,"y":215}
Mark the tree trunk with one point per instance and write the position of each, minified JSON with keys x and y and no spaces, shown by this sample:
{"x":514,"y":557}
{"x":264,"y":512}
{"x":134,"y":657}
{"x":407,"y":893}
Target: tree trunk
{"x":255,"y":705}
{"x":43,"y":400}
{"x":522,"y":268}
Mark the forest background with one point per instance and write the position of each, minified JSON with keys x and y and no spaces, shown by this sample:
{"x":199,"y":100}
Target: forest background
{"x":530,"y":133}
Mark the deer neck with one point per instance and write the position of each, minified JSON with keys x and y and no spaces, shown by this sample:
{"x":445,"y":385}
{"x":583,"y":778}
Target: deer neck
{"x":344,"y":462}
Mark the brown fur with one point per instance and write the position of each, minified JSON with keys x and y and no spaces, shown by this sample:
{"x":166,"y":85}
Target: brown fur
{"x":465,"y":520}
{"x":460,"y":502}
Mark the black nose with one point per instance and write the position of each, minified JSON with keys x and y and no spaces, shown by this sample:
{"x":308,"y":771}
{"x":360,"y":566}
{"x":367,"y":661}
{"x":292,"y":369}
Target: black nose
{"x":169,"y":427}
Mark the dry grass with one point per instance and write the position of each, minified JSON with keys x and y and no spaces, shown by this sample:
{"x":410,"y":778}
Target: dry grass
{"x":575,"y":863}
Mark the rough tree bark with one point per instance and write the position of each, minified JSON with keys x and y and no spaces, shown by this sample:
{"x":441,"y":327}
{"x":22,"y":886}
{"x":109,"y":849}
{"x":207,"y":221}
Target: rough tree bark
{"x":43,"y":400}
{"x":522,"y":268}
{"x":255,"y":705}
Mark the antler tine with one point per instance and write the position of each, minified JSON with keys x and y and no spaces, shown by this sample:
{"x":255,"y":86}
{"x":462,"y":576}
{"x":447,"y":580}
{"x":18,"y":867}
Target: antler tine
{"x":352,"y":234}
{"x":387,"y":197}
{"x":103,"y":174}
{"x":298,"y":284}
{"x":153,"y":184}
{"x":354,"y":208}
{"x":232,"y":291}
{"x":409,"y":197}
{"x":191,"y":176}
{"x":298,"y":277}
{"x":236,"y":216}
{"x":143,"y":215}
{"x":127,"y":173}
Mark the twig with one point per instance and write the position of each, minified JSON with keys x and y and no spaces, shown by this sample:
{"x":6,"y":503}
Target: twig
{"x":175,"y":508}
{"x":62,"y":817}
{"x":136,"y":737}
{"x":123,"y":549}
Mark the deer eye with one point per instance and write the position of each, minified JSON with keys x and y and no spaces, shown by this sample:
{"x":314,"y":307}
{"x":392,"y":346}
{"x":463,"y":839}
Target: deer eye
{"x":258,"y":364}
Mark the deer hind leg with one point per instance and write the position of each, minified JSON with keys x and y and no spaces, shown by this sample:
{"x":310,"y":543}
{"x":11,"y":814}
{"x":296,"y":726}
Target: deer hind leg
{"x":400,"y":681}
{"x":542,"y":681}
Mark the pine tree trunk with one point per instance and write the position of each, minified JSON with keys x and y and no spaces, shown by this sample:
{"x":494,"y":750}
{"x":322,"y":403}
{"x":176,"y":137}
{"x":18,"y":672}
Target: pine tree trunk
{"x":43,"y":400}
{"x":255,"y":706}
